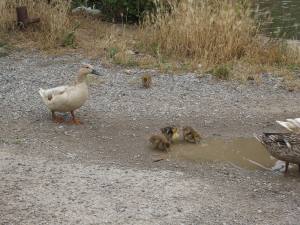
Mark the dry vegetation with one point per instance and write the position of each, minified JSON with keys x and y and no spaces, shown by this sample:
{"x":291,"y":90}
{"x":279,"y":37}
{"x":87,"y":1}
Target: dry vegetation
{"x":212,"y":32}
{"x":216,"y":33}
{"x":54,"y":24}
{"x":219,"y":36}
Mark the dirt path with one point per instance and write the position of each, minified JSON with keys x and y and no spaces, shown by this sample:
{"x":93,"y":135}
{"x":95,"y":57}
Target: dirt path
{"x":102,"y":172}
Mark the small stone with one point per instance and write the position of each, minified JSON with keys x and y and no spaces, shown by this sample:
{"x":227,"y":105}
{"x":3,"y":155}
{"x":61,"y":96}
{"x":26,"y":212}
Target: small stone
{"x":128,"y":72}
{"x":179,"y":210}
{"x":130,"y":52}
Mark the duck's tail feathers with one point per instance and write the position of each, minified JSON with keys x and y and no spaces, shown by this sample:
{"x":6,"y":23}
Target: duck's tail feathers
{"x":48,"y":94}
{"x":258,"y":137}
{"x":42,"y":92}
{"x":290,"y":124}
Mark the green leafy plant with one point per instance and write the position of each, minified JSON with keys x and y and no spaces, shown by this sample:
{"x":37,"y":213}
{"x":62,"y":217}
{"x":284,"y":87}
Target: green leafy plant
{"x":3,"y":49}
{"x":2,"y":44}
{"x":125,"y":10}
{"x":221,"y":72}
{"x":69,"y":39}
{"x":112,"y":52}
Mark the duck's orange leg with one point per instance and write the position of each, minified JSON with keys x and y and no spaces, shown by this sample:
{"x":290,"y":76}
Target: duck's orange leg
{"x":57,"y":119}
{"x":75,"y":120}
{"x":286,"y":167}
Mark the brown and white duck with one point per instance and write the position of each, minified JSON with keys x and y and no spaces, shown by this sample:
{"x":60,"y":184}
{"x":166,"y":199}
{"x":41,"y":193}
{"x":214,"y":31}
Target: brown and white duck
{"x":68,"y":98}
{"x":284,"y":146}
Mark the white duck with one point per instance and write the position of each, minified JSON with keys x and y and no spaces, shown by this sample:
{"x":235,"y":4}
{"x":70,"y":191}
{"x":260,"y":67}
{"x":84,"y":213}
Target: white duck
{"x":69,"y":97}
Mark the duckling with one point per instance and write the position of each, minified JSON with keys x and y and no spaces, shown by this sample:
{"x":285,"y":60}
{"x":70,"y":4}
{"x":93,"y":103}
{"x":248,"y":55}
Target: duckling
{"x":68,"y":98}
{"x":171,"y":133}
{"x":146,"y":81}
{"x":160,"y":142}
{"x":191,"y":135}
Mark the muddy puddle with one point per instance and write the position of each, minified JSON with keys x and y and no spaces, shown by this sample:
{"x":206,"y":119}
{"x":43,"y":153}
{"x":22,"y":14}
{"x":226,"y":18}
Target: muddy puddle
{"x":246,"y":153}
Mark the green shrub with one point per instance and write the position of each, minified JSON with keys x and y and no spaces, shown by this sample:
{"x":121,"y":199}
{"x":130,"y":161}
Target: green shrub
{"x":112,"y":52}
{"x":69,"y":39}
{"x":221,"y":72}
{"x":121,"y":10}
{"x":77,"y":3}
{"x":4,"y":49}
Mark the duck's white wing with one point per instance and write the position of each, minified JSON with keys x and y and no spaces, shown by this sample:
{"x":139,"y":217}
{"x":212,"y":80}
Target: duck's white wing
{"x":55,"y":97}
{"x":48,"y":94}
{"x":65,"y":98}
{"x":291,"y":124}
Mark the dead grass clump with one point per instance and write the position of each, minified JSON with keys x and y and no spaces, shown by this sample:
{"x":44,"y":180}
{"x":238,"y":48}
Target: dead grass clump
{"x":221,"y":72}
{"x":99,"y":38}
{"x":210,"y":31}
{"x":54,"y":19}
{"x":269,"y":51}
{"x":221,"y":35}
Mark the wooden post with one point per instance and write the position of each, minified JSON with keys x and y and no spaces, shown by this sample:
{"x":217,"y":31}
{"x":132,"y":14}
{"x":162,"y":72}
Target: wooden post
{"x":22,"y":17}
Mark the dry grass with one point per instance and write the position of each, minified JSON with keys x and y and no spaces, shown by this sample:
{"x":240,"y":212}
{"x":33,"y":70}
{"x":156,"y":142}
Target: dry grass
{"x":114,"y":43}
{"x":268,"y":51}
{"x":209,"y":35}
{"x":54,"y":23}
{"x":97,"y":38}
{"x":211,"y":32}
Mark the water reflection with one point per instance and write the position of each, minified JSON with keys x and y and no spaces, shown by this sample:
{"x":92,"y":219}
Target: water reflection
{"x":285,"y":17}
{"x":242,"y":152}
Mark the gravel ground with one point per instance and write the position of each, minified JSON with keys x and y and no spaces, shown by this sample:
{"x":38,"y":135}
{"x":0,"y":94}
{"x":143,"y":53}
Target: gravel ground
{"x":39,"y":191}
{"x":102,"y":172}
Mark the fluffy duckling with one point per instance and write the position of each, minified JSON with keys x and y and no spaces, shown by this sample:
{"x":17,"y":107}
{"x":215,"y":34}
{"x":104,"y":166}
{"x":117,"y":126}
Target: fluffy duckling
{"x":160,"y":142}
{"x":171,"y":133}
{"x":146,"y":81}
{"x":191,"y":135}
{"x":68,"y":98}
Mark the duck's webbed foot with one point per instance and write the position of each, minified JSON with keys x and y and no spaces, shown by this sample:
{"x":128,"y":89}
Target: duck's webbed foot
{"x":75,"y":120}
{"x":57,"y":119}
{"x":286,"y":168}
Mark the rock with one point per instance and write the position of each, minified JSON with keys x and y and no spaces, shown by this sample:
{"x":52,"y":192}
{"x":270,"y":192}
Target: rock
{"x":128,"y":72}
{"x":87,"y":10}
{"x":130,"y":52}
